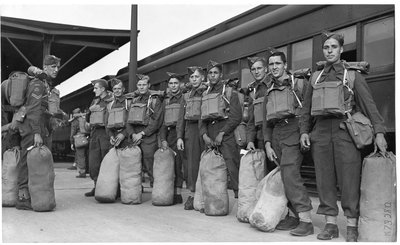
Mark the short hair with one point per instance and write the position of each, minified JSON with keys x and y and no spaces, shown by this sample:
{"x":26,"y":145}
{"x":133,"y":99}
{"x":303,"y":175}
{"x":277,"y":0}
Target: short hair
{"x":280,"y":54}
{"x":144,"y":78}
{"x":115,"y":81}
{"x":51,"y":60}
{"x":101,"y":82}
{"x":193,"y":69}
{"x":252,"y":60}
{"x":327,"y":35}
{"x":76,"y":110}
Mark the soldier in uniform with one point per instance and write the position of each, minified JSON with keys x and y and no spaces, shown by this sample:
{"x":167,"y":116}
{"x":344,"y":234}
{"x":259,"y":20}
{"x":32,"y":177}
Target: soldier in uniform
{"x":33,"y":127}
{"x":188,"y":130}
{"x":81,"y":153}
{"x":145,"y":119}
{"x":219,"y":132}
{"x":337,"y":160}
{"x":168,"y":133}
{"x":99,"y":143}
{"x":281,"y":134}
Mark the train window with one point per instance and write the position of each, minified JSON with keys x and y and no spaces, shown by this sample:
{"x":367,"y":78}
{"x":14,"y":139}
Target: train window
{"x":378,"y":46}
{"x":302,"y":54}
{"x":349,"y":47}
{"x":231,"y":69}
{"x":245,"y":76}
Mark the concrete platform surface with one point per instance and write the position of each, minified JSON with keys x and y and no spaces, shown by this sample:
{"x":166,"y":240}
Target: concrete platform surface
{"x":82,"y":219}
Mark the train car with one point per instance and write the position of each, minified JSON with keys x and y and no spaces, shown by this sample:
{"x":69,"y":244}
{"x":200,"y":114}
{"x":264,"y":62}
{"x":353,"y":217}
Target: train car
{"x":294,"y":29}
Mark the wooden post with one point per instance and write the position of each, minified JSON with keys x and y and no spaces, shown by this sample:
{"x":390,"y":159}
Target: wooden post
{"x":133,"y":50}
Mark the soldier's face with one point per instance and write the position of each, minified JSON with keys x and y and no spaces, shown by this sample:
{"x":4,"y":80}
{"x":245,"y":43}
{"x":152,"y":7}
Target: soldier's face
{"x":214,"y":75}
{"x":51,"y":70}
{"x":276,"y":66}
{"x":143,"y":86}
{"x":196,"y":79}
{"x":118,"y":90}
{"x":258,"y":70}
{"x":174,"y":85}
{"x":332,"y":50}
{"x":97,"y":89}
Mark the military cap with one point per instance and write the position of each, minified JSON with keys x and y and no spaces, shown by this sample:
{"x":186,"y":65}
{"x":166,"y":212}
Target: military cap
{"x":102,"y":83}
{"x":51,"y":60}
{"x":142,"y":77}
{"x":175,"y":75}
{"x":272,"y":50}
{"x":326,"y":35}
{"x":114,"y":81}
{"x":211,"y":64}
{"x":192,"y":69}
{"x":252,"y":60}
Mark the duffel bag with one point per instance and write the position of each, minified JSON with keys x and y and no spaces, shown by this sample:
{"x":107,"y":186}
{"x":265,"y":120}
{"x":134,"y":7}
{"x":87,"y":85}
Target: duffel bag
{"x":378,"y":222}
{"x":198,"y":202}
{"x":107,"y":181}
{"x":130,"y":174}
{"x":251,"y":172}
{"x":41,"y":178}
{"x":9,"y":177}
{"x":164,"y":176}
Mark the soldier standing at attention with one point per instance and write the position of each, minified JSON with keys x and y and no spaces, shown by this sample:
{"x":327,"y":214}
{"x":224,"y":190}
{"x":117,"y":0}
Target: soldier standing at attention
{"x":144,"y":119}
{"x":281,"y":134}
{"x":218,"y":131}
{"x":337,"y":160}
{"x":99,"y":143}
{"x":188,"y":129}
{"x":168,"y":132}
{"x":33,"y":128}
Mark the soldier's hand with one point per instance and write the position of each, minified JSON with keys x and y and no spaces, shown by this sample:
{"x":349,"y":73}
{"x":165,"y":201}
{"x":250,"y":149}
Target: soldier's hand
{"x":37,"y":140}
{"x":136,"y":137}
{"x":270,"y":152}
{"x":118,"y":139}
{"x":250,"y":146}
{"x":207,"y":141}
{"x":305,"y":141}
{"x":72,"y":147}
{"x":218,"y":139}
{"x":164,"y":144}
{"x":180,"y":145}
{"x":380,"y":142}
{"x":112,"y":140}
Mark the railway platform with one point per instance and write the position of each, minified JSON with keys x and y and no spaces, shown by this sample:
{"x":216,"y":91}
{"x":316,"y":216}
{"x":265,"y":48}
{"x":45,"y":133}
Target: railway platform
{"x":82,"y":219}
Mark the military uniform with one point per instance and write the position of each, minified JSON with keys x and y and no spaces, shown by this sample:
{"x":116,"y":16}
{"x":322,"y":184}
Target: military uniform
{"x":81,"y":153}
{"x":194,"y":145}
{"x":169,"y":134}
{"x":120,"y":102}
{"x":284,"y":135}
{"x":149,"y":142}
{"x":99,"y":144}
{"x":228,"y":147}
{"x":336,"y":159}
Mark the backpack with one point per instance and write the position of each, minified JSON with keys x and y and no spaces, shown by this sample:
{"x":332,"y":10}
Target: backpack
{"x":15,"y":88}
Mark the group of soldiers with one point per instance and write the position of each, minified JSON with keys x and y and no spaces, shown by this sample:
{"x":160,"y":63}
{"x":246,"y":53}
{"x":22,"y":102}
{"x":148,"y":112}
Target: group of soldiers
{"x":285,"y":119}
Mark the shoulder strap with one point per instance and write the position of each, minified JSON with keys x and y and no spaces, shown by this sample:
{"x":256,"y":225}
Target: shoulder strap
{"x":109,"y":105}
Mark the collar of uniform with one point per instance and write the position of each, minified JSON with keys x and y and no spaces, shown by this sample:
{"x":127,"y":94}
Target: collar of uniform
{"x":284,"y":82}
{"x":217,"y":87}
{"x":120,"y":99}
{"x":265,"y":81}
{"x":176,"y":95}
{"x":336,"y":68}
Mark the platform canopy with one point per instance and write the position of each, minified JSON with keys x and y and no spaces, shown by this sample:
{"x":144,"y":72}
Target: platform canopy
{"x":25,"y":42}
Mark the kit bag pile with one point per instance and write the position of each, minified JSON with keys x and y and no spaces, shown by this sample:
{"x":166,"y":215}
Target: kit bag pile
{"x":164,"y":176}
{"x":41,"y":178}
{"x":107,"y":181}
{"x":271,"y":202}
{"x":251,"y":172}
{"x":130,"y":174}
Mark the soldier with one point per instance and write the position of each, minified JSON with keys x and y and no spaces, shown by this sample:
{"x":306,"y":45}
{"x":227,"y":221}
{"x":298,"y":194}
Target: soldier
{"x":144,"y":119}
{"x":188,"y":129}
{"x":78,"y":129}
{"x":337,"y":160}
{"x":281,"y":134}
{"x":99,"y":140}
{"x":33,"y":127}
{"x":168,"y":133}
{"x":218,"y":131}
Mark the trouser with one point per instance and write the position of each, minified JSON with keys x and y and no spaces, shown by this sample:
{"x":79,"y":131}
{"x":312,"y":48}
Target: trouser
{"x":98,"y":147}
{"x":259,"y":144}
{"x":22,"y":167}
{"x":149,"y":146}
{"x":193,"y":148}
{"x":9,"y":139}
{"x":229,"y":150}
{"x":337,"y":162}
{"x":81,"y":154}
{"x":171,"y":139}
{"x":285,"y":143}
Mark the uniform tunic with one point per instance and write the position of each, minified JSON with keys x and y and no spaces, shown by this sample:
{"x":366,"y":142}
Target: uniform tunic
{"x":149,"y":143}
{"x":81,"y":153}
{"x":284,"y":135}
{"x":35,"y":122}
{"x":194,"y":145}
{"x":169,"y":134}
{"x":336,"y":159}
{"x":228,"y":147}
{"x":99,"y":144}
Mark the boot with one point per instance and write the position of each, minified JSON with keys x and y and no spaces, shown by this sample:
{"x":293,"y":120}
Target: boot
{"x":24,"y":200}
{"x":178,"y":199}
{"x":90,"y":193}
{"x":352,"y":234}
{"x":303,"y":229}
{"x":289,"y":223}
{"x":330,"y":231}
{"x":189,"y":203}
